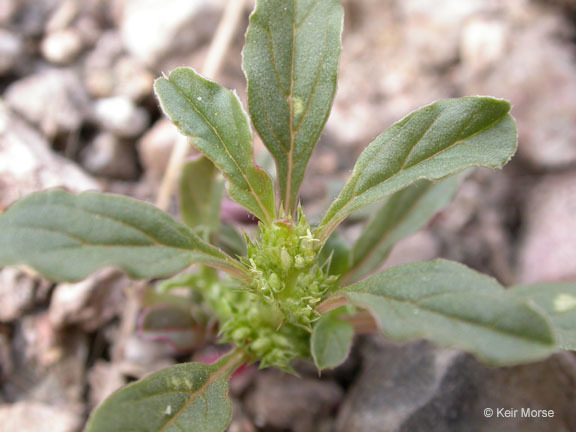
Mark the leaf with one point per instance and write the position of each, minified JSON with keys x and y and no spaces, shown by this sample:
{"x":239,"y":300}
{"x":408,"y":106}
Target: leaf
{"x":231,"y":241}
{"x":331,"y":341}
{"x":402,"y":214}
{"x":431,"y":143}
{"x":291,"y":63}
{"x":454,"y":306}
{"x":200,"y":195}
{"x":558,"y":301}
{"x":173,"y":325}
{"x":213,"y":118}
{"x":190,"y":396}
{"x":66,"y":237}
{"x":336,"y":252}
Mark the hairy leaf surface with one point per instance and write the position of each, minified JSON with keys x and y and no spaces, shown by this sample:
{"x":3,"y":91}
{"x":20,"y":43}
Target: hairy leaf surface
{"x":431,"y":143}
{"x":200,"y":195}
{"x":66,"y":237}
{"x":331,"y":341}
{"x":213,"y":118}
{"x":187,"y":397}
{"x":558,"y":301}
{"x":291,"y":63}
{"x":402,"y":214}
{"x":454,"y":306}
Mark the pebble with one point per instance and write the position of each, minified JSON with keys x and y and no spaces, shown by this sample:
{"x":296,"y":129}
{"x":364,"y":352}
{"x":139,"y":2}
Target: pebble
{"x":62,"y":47}
{"x":52,"y":99}
{"x":110,"y":156}
{"x":121,"y":116}
{"x":11,"y":51}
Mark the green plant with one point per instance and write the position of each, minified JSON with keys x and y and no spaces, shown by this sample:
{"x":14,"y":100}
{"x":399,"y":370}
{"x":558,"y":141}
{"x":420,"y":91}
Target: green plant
{"x":293,"y":290}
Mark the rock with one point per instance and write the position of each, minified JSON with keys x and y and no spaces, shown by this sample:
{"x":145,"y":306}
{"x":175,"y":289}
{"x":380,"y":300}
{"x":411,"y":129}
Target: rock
{"x":27,"y":164}
{"x":155,"y":146}
{"x":547,"y":250}
{"x":537,"y":74}
{"x":483,"y":43}
{"x":104,"y":379}
{"x":98,"y":70}
{"x":16,"y":294}
{"x":48,"y":365}
{"x":109,"y":71}
{"x":29,"y":416}
{"x":52,"y":99}
{"x":418,"y":388}
{"x":110,"y":156}
{"x":89,"y":304}
{"x":121,"y":116}
{"x":8,"y":9}
{"x":286,"y":402}
{"x":151,"y":33}
{"x":11,"y":51}
{"x":62,"y":46}
{"x":132,"y":79}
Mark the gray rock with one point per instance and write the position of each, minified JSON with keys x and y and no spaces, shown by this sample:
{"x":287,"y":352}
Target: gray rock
{"x":121,"y":116}
{"x":110,"y":156}
{"x":8,"y":9}
{"x":418,"y":388}
{"x":62,"y":47}
{"x":16,"y":294}
{"x":152,"y":31}
{"x":548,"y":244}
{"x":520,"y":56}
{"x":155,"y":146}
{"x":27,"y":164}
{"x":53,"y":99}
{"x":281,"y":401}
{"x":11,"y":51}
{"x":89,"y":304}
{"x":30,"y":416}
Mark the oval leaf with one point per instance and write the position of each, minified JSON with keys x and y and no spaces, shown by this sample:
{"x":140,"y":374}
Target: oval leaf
{"x":214,"y":119}
{"x":433,"y":142}
{"x":201,"y":195}
{"x":558,"y":300}
{"x":191,"y":397}
{"x":454,"y":306}
{"x":291,"y":63}
{"x":401,"y":215}
{"x":331,"y":341}
{"x":66,"y":237}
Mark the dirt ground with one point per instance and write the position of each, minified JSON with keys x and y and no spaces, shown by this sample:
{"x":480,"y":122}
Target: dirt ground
{"x":77,"y":110}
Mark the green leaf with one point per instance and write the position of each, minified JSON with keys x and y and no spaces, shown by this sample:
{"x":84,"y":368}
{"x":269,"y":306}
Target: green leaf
{"x":402,"y":214}
{"x":213,"y":118}
{"x":454,"y":306}
{"x":190,"y":396}
{"x":558,"y":301}
{"x":66,"y":237}
{"x":335,"y":252}
{"x":431,"y":143}
{"x":200,"y":195}
{"x":291,"y":63}
{"x":231,"y":241}
{"x":331,"y":341}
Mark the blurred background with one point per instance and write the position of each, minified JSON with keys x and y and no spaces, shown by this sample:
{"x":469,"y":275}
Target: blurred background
{"x":77,"y":110}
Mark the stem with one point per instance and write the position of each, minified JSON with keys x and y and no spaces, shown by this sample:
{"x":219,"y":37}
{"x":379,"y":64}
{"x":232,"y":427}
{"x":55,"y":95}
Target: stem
{"x":363,"y":322}
{"x":332,"y":303}
{"x":211,"y":67}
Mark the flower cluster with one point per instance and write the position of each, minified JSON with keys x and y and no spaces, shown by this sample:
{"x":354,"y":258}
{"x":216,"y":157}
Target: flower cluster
{"x":273,"y":319}
{"x":285,"y":270}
